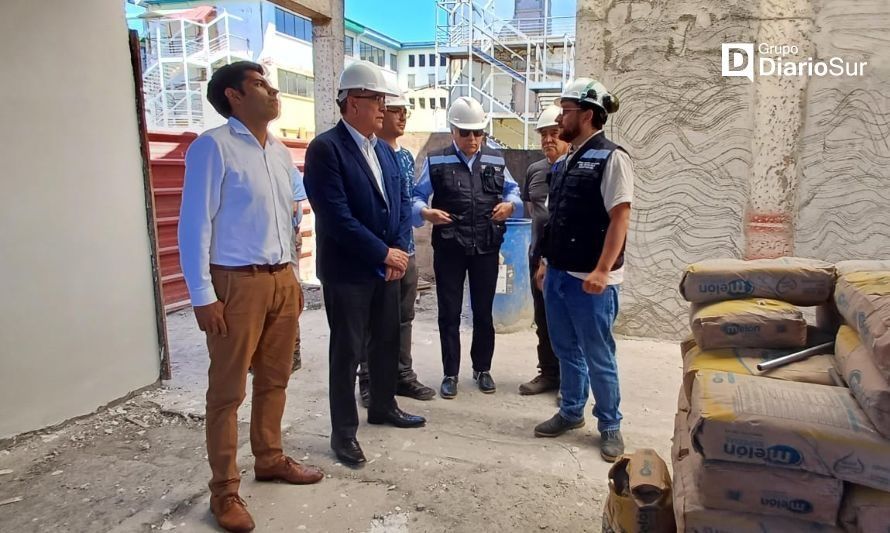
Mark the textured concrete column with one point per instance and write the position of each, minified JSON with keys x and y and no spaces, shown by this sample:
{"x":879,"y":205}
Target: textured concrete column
{"x":589,"y":38}
{"x":327,"y":63}
{"x":778,"y":106}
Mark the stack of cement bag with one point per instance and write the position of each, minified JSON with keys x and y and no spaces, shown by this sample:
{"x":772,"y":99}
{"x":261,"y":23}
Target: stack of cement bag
{"x":778,"y":451}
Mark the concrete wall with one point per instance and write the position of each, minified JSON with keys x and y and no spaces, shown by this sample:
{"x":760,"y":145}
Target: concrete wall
{"x":730,"y":168}
{"x":77,"y":322}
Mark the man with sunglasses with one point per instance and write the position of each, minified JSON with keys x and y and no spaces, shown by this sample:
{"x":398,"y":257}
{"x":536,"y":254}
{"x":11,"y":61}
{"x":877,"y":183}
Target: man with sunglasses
{"x":583,"y":246}
{"x":394,"y":122}
{"x":473,"y":195}
{"x":363,"y":231}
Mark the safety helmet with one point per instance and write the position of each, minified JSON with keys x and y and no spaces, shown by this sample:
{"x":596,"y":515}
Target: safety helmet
{"x":467,"y":114}
{"x":590,"y":91}
{"x":363,"y":75}
{"x":548,"y":117}
{"x":397,"y":100}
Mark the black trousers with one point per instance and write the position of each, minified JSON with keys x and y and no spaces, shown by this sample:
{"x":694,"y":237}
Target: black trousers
{"x":408,"y":287}
{"x":547,"y":361}
{"x":452,"y":265}
{"x":363,"y":318}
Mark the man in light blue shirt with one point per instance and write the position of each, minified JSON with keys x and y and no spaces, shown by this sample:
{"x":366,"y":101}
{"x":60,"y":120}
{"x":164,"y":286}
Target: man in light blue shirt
{"x":236,"y":240}
{"x":473,"y":194}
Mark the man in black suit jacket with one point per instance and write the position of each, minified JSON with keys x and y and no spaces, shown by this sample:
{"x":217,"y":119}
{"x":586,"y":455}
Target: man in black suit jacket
{"x":363,"y":226}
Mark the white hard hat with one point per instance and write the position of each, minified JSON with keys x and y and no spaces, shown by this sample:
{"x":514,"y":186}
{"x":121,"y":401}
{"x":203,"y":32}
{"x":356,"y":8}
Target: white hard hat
{"x":590,"y":91}
{"x":548,"y":117}
{"x":397,"y":100}
{"x":467,"y":114}
{"x":363,"y":75}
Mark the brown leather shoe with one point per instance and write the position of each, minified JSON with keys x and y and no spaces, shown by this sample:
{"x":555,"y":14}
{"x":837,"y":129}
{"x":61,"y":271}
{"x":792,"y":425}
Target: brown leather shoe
{"x":231,"y":513}
{"x":291,"y":472}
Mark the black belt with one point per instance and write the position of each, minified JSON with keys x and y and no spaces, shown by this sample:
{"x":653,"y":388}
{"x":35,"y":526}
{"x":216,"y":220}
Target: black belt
{"x":271,"y":269}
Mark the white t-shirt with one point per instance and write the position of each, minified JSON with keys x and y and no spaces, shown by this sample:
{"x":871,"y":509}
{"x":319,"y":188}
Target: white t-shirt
{"x":617,"y":188}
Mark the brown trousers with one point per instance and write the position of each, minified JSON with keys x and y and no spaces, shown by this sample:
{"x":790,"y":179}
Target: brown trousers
{"x":262,"y":311}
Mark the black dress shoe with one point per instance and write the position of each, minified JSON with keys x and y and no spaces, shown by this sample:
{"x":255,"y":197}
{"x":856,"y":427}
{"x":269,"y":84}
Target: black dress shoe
{"x":348,"y":452}
{"x":415,"y":389}
{"x":449,"y":387}
{"x":364,"y":392}
{"x":398,"y":418}
{"x":485,"y":382}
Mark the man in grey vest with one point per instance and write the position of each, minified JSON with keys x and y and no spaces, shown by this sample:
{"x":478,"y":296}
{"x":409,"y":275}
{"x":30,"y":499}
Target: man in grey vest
{"x":473,"y":195}
{"x":583,"y":263}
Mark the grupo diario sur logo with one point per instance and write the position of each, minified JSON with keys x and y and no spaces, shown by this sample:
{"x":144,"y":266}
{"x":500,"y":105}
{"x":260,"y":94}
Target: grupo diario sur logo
{"x":740,"y":60}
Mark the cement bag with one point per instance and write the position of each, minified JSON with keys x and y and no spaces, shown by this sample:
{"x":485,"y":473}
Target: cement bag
{"x":863,"y":299}
{"x":815,"y":369}
{"x":795,"y":280}
{"x":865,"y":510}
{"x":848,"y":267}
{"x":753,"y":323}
{"x":640,"y":497}
{"x":763,"y":490}
{"x":689,"y":508}
{"x":868,"y":385}
{"x":801,"y":426}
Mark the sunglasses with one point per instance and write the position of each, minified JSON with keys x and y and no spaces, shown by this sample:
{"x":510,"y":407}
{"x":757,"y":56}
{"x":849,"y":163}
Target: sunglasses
{"x":467,"y":133}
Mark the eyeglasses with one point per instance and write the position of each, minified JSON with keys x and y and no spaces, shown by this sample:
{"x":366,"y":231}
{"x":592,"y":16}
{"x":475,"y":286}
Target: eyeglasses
{"x":399,"y":111}
{"x":381,"y":99}
{"x":568,"y":109}
{"x":466,"y":133}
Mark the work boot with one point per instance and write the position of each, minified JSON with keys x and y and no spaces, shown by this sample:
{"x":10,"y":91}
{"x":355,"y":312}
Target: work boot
{"x":611,"y":445}
{"x":449,"y":387}
{"x":556,"y":426}
{"x":485,"y":382}
{"x":539,"y":384}
{"x":291,"y":472}
{"x":231,"y":513}
{"x":364,"y":391}
{"x":415,"y":389}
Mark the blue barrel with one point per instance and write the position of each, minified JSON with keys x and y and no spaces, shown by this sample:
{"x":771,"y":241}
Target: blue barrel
{"x":513,"y":308}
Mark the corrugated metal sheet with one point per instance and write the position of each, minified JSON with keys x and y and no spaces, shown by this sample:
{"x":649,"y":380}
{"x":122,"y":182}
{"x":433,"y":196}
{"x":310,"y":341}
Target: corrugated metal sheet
{"x":167,"y":173}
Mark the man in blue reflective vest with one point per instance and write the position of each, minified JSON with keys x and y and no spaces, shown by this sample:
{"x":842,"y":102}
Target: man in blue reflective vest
{"x":473,"y":195}
{"x":583,"y":246}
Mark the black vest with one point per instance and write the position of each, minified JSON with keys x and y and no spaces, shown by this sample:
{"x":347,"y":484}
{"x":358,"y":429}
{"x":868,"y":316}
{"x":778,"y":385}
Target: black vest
{"x":576,"y":230}
{"x":469,"y":198}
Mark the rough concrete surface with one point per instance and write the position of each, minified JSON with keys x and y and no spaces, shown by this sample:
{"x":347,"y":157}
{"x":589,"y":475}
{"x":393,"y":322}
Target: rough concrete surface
{"x":476,"y":464}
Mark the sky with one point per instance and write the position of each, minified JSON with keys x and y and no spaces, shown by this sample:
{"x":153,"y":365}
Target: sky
{"x":415,"y":20}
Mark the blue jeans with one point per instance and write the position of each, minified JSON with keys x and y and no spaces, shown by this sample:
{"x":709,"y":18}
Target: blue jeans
{"x":581,"y":334}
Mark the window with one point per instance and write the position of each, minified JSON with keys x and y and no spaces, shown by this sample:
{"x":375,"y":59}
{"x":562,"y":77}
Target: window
{"x":411,"y":101}
{"x":432,"y":103}
{"x":442,"y":60}
{"x":412,"y":81}
{"x":422,"y":59}
{"x":393,"y":62}
{"x":443,"y":103}
{"x":431,"y":79}
{"x":432,"y":60}
{"x":410,"y":60}
{"x":293,"y":25}
{"x":422,"y":101}
{"x":295,"y":84}
{"x":372,"y":53}
{"x":349,"y":45}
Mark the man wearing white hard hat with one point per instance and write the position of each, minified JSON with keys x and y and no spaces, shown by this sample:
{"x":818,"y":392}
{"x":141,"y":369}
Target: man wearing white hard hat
{"x":398,"y":109}
{"x":583,"y":247}
{"x":473,"y":195}
{"x":534,"y":193}
{"x":363,"y":235}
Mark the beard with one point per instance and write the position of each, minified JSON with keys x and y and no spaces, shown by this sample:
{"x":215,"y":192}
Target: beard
{"x":568,"y":132}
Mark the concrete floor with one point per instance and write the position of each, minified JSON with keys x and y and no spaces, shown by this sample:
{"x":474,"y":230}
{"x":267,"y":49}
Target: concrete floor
{"x":475,"y":465}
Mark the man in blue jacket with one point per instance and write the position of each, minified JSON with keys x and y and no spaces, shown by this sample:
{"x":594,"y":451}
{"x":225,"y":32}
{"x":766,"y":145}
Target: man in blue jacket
{"x":363,"y":233}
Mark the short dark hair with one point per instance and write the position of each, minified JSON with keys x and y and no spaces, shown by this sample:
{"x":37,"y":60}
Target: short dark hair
{"x":599,"y":114}
{"x":229,"y":77}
